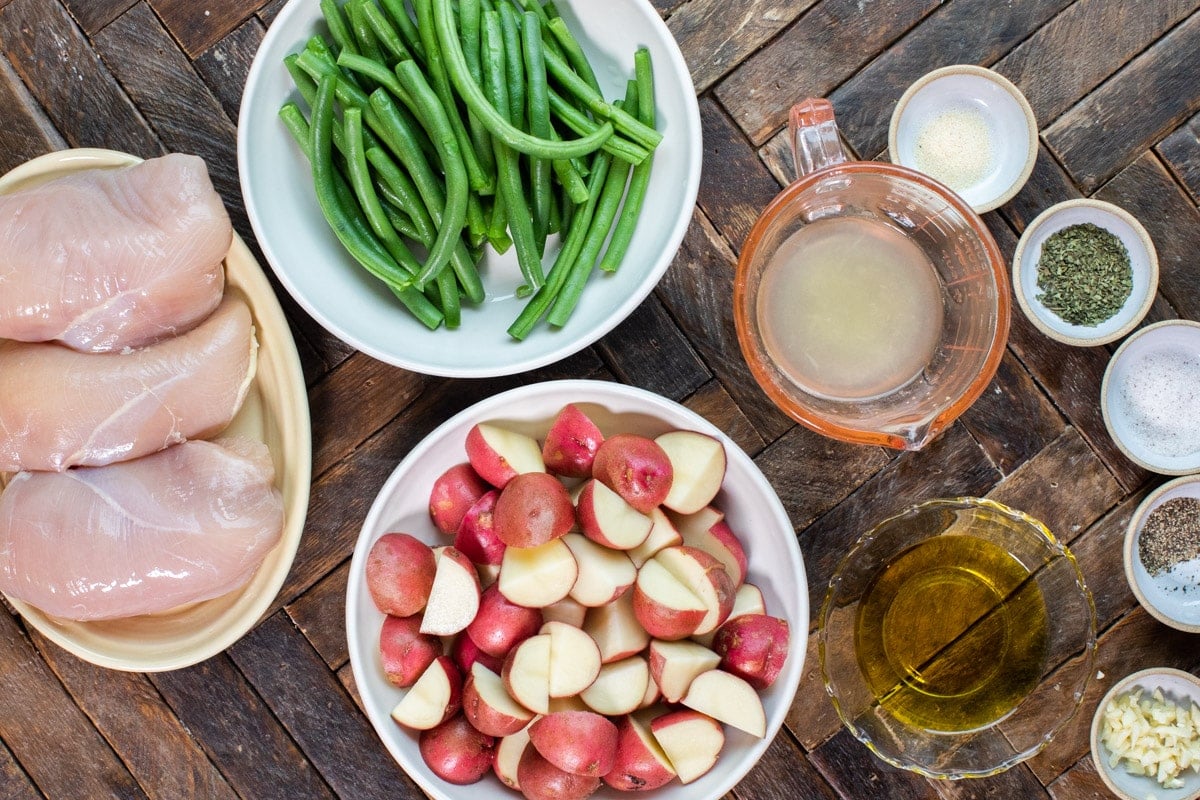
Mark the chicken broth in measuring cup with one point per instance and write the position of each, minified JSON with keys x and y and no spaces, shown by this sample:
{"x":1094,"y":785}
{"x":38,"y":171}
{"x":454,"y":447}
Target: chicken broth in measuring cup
{"x":850,"y":308}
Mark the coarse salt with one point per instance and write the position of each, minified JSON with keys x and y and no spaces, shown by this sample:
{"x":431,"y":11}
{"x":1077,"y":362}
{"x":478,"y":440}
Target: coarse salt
{"x":1160,"y":393}
{"x":955,"y":147}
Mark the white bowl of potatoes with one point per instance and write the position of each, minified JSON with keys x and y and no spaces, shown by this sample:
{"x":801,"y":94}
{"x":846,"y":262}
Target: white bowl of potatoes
{"x":579,"y":634}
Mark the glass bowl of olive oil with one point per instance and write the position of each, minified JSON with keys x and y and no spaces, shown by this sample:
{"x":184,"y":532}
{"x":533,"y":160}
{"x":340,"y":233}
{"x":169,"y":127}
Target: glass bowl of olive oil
{"x":957,"y":638}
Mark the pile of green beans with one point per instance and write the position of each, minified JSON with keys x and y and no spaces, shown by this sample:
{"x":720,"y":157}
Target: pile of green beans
{"x":436,"y":128}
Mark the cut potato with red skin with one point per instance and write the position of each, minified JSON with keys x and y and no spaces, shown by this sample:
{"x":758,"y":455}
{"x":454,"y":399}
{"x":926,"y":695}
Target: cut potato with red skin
{"x":636,"y":468}
{"x":476,"y":537}
{"x":567,"y":610}
{"x":404,"y":651}
{"x":616,"y":630}
{"x":747,"y":600}
{"x":605,"y":518}
{"x":453,"y":493}
{"x":538,"y":576}
{"x":718,"y":540}
{"x":534,"y":508}
{"x":604,"y":574}
{"x":691,"y":740}
{"x":500,"y":625}
{"x":508,"y":757}
{"x":488,"y":706}
{"x":664,"y":605}
{"x":578,"y":742}
{"x":456,"y":752}
{"x":526,"y":673}
{"x":399,"y":572}
{"x":727,"y":698}
{"x":641,"y":764}
{"x":619,"y":688}
{"x":662,"y":534}
{"x":697,"y":466}
{"x":574,"y":659}
{"x":706,"y":577}
{"x":466,"y":653}
{"x":571,"y":443}
{"x":498,"y":455}
{"x":433,"y":699}
{"x":753,"y":647}
{"x":454,"y":598}
{"x":673,"y":666}
{"x":541,"y":780}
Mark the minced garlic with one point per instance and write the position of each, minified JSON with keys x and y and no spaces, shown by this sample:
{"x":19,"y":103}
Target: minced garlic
{"x":1152,"y":737}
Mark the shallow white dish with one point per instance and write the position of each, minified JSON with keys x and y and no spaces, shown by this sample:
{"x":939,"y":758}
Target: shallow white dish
{"x":985,"y":96}
{"x":311,"y":264}
{"x":1180,"y":338}
{"x":1143,"y":262}
{"x":1176,"y":685}
{"x":751,"y":506}
{"x":275,"y":412}
{"x":1173,"y":597}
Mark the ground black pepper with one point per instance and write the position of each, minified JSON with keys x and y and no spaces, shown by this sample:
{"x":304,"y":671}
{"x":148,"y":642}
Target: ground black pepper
{"x":1170,"y":535}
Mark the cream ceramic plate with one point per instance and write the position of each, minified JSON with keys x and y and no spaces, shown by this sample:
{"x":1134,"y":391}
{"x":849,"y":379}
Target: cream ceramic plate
{"x":275,"y":412}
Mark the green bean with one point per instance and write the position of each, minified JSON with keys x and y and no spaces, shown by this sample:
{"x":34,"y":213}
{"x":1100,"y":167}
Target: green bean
{"x":582,"y":124}
{"x":514,"y":66}
{"x":621,"y":119}
{"x":435,"y":65}
{"x":601,"y":224}
{"x":385,"y":31}
{"x":498,"y":227}
{"x":405,"y":27}
{"x":368,"y":45}
{"x":451,"y":303}
{"x":338,"y":28}
{"x":539,"y":124}
{"x":570,"y":180}
{"x":469,"y":12}
{"x":376,"y":71}
{"x":643,"y":90}
{"x":573,"y":52}
{"x":364,"y":191}
{"x":401,"y":222}
{"x":508,"y":174}
{"x":500,"y":127}
{"x":371,"y":256}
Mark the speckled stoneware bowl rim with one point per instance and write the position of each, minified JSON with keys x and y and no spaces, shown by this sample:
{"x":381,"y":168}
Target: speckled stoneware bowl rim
{"x":1004,"y":83}
{"x":1042,"y":321}
{"x":1106,"y":411}
{"x":1147,"y":678}
{"x":1133,"y":529}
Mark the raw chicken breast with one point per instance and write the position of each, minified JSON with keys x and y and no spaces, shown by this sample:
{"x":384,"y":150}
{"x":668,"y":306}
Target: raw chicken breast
{"x":60,"y":408}
{"x":189,"y":523}
{"x":106,"y":259}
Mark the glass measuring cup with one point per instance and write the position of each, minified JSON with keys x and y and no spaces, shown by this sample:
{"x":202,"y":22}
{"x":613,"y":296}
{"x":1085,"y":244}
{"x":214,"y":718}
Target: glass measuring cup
{"x":886,"y":345}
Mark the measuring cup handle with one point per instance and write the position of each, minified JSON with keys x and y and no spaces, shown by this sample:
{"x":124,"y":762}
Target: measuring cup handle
{"x":813,"y":135}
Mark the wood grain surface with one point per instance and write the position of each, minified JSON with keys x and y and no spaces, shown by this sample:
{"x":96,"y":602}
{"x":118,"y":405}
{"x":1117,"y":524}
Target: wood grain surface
{"x":1115,"y":87}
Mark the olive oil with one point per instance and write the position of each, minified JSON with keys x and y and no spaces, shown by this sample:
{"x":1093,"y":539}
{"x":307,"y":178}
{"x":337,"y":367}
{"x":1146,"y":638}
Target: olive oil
{"x":952,"y":634}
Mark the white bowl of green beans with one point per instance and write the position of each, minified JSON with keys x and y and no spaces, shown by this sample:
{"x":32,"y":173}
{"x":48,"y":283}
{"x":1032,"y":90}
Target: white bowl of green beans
{"x":469,"y":189}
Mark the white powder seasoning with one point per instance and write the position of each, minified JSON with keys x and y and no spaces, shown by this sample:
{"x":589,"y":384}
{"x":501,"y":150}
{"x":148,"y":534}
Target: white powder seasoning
{"x":1161,"y":398}
{"x":955,"y":147}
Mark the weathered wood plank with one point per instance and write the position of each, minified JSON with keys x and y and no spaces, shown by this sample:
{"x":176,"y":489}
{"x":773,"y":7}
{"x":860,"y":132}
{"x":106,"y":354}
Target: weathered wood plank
{"x":1181,"y":151}
{"x":1146,"y":190}
{"x":26,"y":131}
{"x":1012,"y":420}
{"x":784,"y":773}
{"x":1141,"y":104}
{"x":1080,"y":782}
{"x":865,"y":102}
{"x":812,"y":718}
{"x":734,"y":186}
{"x":1018,"y":781}
{"x":1098,"y":552}
{"x":198,"y":26}
{"x":666,"y":7}
{"x":855,"y":772}
{"x":314,"y":708}
{"x":160,"y":753}
{"x":1048,"y":184}
{"x":712,"y":402}
{"x":824,"y":48}
{"x":271,"y":10}
{"x":698,"y":291}
{"x":93,"y":15}
{"x":47,"y":733}
{"x":14,"y":783}
{"x":649,"y":351}
{"x":238,"y":732}
{"x":77,"y":92}
{"x":1045,"y":68}
{"x":224,"y":66}
{"x":320,"y":614}
{"x":715,"y":35}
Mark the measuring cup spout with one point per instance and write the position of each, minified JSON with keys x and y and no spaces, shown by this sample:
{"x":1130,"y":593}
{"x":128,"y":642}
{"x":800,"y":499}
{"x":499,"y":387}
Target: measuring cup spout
{"x":813,"y":134}
{"x":916,"y":435}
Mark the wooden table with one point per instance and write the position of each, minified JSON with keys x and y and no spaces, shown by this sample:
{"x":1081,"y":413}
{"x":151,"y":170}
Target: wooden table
{"x":1115,"y":85}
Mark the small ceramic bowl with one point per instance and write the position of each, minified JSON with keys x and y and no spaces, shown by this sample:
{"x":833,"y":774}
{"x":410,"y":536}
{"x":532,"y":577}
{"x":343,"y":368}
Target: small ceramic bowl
{"x":1171,"y":596}
{"x":971,"y":129}
{"x":1178,"y":686}
{"x":1149,"y":397}
{"x":1143,"y":262}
